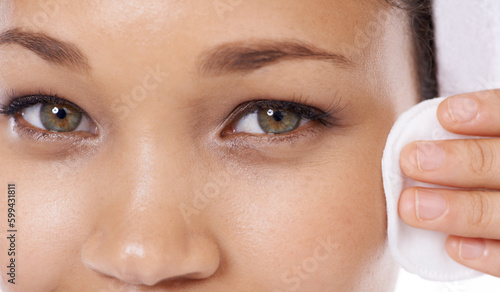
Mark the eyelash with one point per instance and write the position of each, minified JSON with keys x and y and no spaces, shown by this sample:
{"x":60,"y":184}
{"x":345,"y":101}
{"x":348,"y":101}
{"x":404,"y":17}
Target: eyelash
{"x":16,"y":104}
{"x":328,"y":118}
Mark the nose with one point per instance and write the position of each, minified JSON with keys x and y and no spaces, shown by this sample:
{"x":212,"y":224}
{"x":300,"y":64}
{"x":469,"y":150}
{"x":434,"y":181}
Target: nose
{"x":147,"y":247}
{"x":140,"y":235}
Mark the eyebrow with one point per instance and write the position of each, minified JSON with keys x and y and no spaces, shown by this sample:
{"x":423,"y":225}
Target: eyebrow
{"x":48,"y":48}
{"x":244,"y":57}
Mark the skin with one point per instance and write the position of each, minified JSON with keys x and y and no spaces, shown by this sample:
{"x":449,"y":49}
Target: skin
{"x":304,"y":213}
{"x":469,"y":214}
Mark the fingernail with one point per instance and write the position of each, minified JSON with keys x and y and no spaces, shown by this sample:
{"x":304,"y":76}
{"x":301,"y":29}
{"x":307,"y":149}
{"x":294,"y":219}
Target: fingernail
{"x":429,"y":205}
{"x":471,"y":248}
{"x":430,"y":156}
{"x":462,"y":109}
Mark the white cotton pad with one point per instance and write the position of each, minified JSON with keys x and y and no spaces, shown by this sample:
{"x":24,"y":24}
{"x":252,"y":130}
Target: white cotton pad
{"x":418,"y":251}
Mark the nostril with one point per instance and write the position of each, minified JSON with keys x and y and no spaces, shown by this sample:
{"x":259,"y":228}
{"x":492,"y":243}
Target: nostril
{"x":163,"y":259}
{"x":163,"y":250}
{"x":131,"y":279}
{"x":137,"y":278}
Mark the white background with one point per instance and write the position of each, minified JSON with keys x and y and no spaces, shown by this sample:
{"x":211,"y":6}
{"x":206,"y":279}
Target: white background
{"x":411,"y":283}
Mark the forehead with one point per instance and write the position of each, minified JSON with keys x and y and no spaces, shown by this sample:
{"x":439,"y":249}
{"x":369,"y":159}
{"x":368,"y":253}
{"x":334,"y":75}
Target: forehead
{"x":161,"y":24}
{"x":121,"y":37}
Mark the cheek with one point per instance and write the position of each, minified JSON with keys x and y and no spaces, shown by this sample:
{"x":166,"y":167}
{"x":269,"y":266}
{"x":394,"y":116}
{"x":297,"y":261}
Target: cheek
{"x":51,"y":222}
{"x":307,"y":228}
{"x":311,"y":226}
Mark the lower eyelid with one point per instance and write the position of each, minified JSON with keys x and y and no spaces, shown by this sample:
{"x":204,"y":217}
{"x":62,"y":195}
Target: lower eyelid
{"x":54,"y":146}
{"x":35,"y":122}
{"x":23,"y":128}
{"x":308,"y":131}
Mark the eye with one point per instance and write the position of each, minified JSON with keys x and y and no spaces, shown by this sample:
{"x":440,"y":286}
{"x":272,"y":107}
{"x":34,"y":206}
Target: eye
{"x":269,"y":121}
{"x":53,"y":117}
{"x":275,"y":117}
{"x":51,"y":114}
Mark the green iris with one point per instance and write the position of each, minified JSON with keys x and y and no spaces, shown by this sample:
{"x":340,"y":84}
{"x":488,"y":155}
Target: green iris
{"x":60,"y":118}
{"x":278,"y":121}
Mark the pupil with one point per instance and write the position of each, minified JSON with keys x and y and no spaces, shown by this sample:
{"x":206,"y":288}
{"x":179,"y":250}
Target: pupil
{"x":278,"y":116}
{"x":61,"y":114}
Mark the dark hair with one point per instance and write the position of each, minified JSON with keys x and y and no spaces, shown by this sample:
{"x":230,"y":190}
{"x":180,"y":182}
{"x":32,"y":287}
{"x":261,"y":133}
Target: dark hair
{"x":421,"y":17}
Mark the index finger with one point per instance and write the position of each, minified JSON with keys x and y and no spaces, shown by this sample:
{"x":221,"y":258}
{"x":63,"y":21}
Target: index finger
{"x":475,"y":113}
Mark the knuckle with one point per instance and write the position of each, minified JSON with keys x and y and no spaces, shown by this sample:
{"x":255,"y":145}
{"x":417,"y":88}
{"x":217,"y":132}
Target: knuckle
{"x":481,"y":156}
{"x":488,"y":95}
{"x":480,"y":211}
{"x":496,"y":92}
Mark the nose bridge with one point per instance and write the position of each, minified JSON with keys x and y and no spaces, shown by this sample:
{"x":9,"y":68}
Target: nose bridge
{"x":141,"y":236}
{"x":148,"y":165}
{"x":148,"y":160}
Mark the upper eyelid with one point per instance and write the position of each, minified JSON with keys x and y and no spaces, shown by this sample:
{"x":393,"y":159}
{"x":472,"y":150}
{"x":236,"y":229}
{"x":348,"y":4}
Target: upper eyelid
{"x":279,"y":103}
{"x":19,"y":103}
{"x":251,"y":106}
{"x":16,"y":104}
{"x":326,"y":118}
{"x":305,"y":111}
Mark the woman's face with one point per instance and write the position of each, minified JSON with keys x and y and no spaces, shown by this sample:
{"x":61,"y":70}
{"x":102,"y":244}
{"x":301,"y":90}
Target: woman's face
{"x":172,"y":179}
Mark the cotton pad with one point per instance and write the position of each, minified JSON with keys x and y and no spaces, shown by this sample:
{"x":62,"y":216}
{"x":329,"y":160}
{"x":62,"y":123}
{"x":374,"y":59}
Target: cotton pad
{"x":418,"y":251}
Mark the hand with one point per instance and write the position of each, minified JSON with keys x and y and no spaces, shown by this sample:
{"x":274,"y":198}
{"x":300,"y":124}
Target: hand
{"x":471,"y":213}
